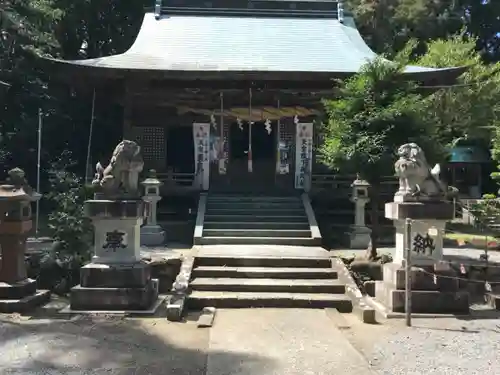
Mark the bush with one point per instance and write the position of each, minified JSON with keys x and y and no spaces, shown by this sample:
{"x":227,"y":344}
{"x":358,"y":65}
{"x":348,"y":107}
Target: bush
{"x":71,"y":230}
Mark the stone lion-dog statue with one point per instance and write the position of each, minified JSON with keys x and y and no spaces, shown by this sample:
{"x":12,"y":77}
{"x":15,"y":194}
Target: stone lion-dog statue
{"x":121,"y":176}
{"x":416,"y":179}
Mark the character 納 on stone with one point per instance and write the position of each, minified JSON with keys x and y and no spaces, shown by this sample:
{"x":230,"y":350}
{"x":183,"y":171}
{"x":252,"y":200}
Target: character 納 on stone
{"x":121,"y":177}
{"x":416,"y":179}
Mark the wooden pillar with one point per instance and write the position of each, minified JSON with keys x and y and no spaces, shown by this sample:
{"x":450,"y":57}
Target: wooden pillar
{"x":127,"y":110}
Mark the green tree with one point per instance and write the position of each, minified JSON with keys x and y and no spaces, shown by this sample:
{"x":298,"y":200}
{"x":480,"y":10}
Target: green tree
{"x":26,"y":32}
{"x":376,"y":112}
{"x":388,"y":25}
{"x":471,"y":105}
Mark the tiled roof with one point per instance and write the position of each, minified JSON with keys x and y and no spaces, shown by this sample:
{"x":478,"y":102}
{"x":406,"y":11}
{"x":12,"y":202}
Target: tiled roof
{"x":244,"y":44}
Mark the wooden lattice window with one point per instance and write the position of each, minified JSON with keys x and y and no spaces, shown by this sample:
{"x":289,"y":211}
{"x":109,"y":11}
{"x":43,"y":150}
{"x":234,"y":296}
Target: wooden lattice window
{"x":152,"y":142}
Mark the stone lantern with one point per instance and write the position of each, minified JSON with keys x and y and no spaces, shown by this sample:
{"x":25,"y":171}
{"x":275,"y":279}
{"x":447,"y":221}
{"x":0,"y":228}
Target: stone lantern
{"x":151,"y":233}
{"x":359,"y":233}
{"x":17,"y":292}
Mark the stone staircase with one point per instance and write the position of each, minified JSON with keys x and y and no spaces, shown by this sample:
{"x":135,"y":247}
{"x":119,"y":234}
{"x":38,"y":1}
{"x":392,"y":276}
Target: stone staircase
{"x":264,"y":281}
{"x":257,"y":219}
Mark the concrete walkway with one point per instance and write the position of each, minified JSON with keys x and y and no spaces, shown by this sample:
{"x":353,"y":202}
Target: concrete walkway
{"x":278,"y":342}
{"x":242,"y":342}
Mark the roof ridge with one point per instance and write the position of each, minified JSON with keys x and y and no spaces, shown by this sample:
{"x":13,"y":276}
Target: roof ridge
{"x":252,"y":8}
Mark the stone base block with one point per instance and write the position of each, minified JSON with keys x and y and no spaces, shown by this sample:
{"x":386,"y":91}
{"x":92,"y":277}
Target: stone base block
{"x":110,"y":299}
{"x":423,"y":301}
{"x":359,"y":237}
{"x":152,"y":235}
{"x":175,"y":308}
{"x":119,"y":208}
{"x":17,"y":290}
{"x":26,"y":303}
{"x":422,"y":278}
{"x":96,"y":275}
{"x":420,"y":210}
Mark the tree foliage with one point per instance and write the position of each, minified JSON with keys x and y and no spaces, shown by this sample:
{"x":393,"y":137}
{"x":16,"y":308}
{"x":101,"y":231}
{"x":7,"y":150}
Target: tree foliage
{"x":375,"y":113}
{"x":63,"y":29}
{"x":472,"y":105}
{"x":388,"y":25}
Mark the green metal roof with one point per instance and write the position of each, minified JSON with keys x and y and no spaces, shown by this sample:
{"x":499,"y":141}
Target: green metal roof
{"x":469,"y":154}
{"x":240,"y":36}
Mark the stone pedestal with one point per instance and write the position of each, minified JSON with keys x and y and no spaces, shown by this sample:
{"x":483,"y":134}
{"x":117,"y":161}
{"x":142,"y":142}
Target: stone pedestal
{"x":18,"y":293}
{"x":151,"y":233}
{"x":359,"y":234}
{"x":359,"y":237}
{"x":433,"y":291}
{"x":427,"y":229}
{"x":116,"y":279}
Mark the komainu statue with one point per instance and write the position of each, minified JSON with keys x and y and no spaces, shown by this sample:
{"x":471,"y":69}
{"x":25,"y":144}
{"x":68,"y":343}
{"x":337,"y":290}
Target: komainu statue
{"x":416,"y":179}
{"x":121,"y":177}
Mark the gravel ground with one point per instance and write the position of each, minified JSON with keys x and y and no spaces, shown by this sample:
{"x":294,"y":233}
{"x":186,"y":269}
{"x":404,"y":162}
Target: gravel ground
{"x":101,"y":346}
{"x":432,"y":346}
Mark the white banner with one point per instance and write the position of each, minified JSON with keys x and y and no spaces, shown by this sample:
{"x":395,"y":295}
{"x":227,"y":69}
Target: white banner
{"x":303,"y":155}
{"x":201,"y":139}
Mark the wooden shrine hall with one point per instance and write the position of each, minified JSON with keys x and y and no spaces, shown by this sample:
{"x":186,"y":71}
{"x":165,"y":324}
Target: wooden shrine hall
{"x":228,"y":90}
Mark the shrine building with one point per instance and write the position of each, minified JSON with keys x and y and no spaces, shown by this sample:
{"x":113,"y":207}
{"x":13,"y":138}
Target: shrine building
{"x":222,"y":95}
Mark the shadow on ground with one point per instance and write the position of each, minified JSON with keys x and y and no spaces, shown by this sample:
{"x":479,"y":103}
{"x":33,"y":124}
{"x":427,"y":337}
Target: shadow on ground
{"x":111,"y":345}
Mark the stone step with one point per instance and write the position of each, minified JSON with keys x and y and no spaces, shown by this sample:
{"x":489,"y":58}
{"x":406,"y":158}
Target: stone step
{"x":256,"y":211}
{"x":249,"y":261}
{"x":199,"y":299}
{"x":254,"y":225}
{"x":216,"y":203}
{"x":265,"y":272}
{"x":247,"y":217}
{"x":493,"y":300}
{"x":251,"y":198}
{"x":306,"y":233}
{"x":290,"y":241}
{"x":268,"y":285}
{"x":243,"y":207}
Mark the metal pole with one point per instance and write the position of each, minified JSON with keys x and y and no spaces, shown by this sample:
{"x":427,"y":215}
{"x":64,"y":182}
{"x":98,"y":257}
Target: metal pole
{"x":222,"y":143}
{"x":89,"y":143}
{"x":38,"y":169}
{"x":408,"y":273}
{"x":250,"y":162}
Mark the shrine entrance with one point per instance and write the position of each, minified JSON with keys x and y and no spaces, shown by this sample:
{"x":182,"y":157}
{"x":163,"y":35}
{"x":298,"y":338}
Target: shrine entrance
{"x":252,"y":156}
{"x":264,"y":151}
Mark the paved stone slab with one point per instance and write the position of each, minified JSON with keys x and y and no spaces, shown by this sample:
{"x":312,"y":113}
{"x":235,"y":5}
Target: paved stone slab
{"x":278,"y":342}
{"x":263,"y":251}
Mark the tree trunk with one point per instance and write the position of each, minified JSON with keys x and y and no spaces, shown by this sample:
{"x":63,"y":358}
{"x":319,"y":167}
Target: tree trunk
{"x":374,"y":216}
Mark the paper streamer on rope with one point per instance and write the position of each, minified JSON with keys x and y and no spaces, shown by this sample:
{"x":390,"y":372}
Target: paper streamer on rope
{"x":267,"y":123}
{"x":213,"y":121}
